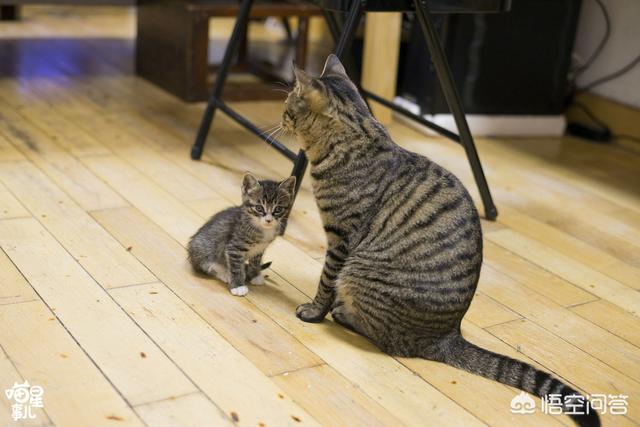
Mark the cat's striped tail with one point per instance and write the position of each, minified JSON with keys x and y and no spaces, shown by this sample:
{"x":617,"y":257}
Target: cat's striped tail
{"x":459,"y":353}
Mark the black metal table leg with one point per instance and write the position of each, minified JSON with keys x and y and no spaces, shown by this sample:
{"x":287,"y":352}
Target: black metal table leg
{"x":236,"y":37}
{"x":299,"y":168}
{"x":350,"y":27}
{"x":455,"y":106}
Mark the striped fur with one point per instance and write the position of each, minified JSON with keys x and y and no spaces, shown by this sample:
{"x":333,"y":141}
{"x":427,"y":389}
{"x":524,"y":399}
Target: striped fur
{"x":230,"y":245}
{"x":404,"y":238}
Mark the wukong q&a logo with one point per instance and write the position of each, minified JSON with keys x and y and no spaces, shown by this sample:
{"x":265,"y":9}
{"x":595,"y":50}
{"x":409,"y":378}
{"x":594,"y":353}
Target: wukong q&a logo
{"x":523,"y":404}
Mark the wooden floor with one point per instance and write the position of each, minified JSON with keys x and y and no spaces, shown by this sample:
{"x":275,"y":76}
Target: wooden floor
{"x":98,"y":198}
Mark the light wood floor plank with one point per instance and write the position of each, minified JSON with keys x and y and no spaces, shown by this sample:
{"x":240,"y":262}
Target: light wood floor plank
{"x":100,"y":254}
{"x":485,"y":398}
{"x":324,"y":393}
{"x":569,"y":269}
{"x":257,"y":337}
{"x":192,"y":410}
{"x":75,"y":391}
{"x":66,"y":171}
{"x":103,"y":330}
{"x":382,"y":378}
{"x":65,"y":132}
{"x":139,"y":151}
{"x":535,"y":277}
{"x":9,"y":376}
{"x":591,"y":375}
{"x":10,"y":207}
{"x":572,"y":247}
{"x":179,"y":221}
{"x":558,"y":289}
{"x":208,"y":359}
{"x":8,"y":152}
{"x":486,"y":311}
{"x":612,"y":318}
{"x":372,"y":373}
{"x":15,"y":287}
{"x":591,"y":339}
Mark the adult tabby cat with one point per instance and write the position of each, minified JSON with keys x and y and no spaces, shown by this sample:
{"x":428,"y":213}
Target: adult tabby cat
{"x":404,"y":239}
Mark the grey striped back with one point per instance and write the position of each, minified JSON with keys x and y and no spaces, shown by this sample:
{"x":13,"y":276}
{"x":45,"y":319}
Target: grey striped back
{"x":405,"y":243}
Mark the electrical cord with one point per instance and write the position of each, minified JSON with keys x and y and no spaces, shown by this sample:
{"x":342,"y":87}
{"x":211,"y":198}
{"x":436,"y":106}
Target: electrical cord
{"x":613,"y":75}
{"x":601,"y":133}
{"x":607,"y":32}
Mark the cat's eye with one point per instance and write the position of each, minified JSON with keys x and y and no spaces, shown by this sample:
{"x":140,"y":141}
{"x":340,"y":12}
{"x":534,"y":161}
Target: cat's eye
{"x":259,"y":209}
{"x":278,"y":210}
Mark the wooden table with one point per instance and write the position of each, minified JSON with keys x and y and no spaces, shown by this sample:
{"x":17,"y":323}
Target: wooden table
{"x":173,"y":38}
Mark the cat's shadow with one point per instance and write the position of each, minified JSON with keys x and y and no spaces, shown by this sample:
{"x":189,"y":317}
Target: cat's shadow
{"x":328,"y":325}
{"x":271,"y":290}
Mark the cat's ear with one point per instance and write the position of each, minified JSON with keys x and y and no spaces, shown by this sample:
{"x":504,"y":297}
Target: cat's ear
{"x":288,"y":185}
{"x":249,"y":183}
{"x":333,"y":66}
{"x":302,"y":78}
{"x":308,"y":88}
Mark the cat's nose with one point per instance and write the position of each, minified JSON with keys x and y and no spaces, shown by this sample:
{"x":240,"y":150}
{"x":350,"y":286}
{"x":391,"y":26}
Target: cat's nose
{"x":268,"y":219}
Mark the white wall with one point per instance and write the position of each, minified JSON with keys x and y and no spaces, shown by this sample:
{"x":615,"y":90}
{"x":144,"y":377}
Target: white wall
{"x":622,"y":47}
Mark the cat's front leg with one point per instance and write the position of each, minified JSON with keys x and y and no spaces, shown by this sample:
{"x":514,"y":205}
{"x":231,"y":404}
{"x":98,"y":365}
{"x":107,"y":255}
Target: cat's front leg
{"x":316,"y":310}
{"x":237,"y":274}
{"x":254,"y":271}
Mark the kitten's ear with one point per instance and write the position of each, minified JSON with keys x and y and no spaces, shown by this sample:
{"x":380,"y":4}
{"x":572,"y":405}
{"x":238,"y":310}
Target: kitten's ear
{"x":288,"y":185}
{"x":333,"y":66}
{"x":249,"y":183}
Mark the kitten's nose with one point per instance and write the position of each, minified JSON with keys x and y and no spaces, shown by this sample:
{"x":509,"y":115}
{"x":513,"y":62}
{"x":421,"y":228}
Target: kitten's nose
{"x":268,"y":219}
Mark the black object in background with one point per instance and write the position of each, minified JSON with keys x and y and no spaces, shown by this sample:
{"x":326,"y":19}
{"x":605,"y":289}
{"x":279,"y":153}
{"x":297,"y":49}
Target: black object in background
{"x":510,"y":63}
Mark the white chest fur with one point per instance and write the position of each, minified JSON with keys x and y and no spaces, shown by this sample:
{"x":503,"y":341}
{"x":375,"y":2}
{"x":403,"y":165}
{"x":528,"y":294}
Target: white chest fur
{"x":268,"y":235}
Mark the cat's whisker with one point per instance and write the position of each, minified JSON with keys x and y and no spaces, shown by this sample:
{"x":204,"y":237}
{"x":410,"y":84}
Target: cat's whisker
{"x":287,"y":86}
{"x":269,"y":138}
{"x":269,"y":128}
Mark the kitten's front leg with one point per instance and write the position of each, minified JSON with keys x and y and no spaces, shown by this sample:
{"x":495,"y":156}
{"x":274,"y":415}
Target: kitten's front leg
{"x":237,"y":274}
{"x":254,"y":270}
{"x":316,"y":310}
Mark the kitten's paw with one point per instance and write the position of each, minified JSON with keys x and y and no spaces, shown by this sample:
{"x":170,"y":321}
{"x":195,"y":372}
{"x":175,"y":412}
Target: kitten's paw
{"x":258,"y":280}
{"x":310,"y":312}
{"x":240,"y":291}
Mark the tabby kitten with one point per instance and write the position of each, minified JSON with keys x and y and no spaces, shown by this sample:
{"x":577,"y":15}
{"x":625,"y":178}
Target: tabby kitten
{"x":230,"y":245}
{"x":404,"y":239}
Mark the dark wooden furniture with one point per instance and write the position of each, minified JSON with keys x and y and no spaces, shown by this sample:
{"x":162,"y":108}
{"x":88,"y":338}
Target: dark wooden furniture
{"x":344,"y":36}
{"x":173,"y":39}
{"x":9,"y":12}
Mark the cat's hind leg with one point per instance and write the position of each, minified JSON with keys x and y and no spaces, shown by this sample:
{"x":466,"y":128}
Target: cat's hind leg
{"x":217,"y":270}
{"x":343,"y":312}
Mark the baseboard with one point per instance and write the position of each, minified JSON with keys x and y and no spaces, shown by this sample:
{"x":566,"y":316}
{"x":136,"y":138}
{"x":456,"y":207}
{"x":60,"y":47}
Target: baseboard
{"x":491,"y":125}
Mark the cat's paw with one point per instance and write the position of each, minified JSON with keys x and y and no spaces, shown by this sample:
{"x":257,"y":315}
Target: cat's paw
{"x":258,"y":280}
{"x":310,"y":312}
{"x":240,"y":291}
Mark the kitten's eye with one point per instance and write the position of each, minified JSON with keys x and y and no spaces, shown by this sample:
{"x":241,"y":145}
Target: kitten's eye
{"x":259,"y":209}
{"x":278,"y":210}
